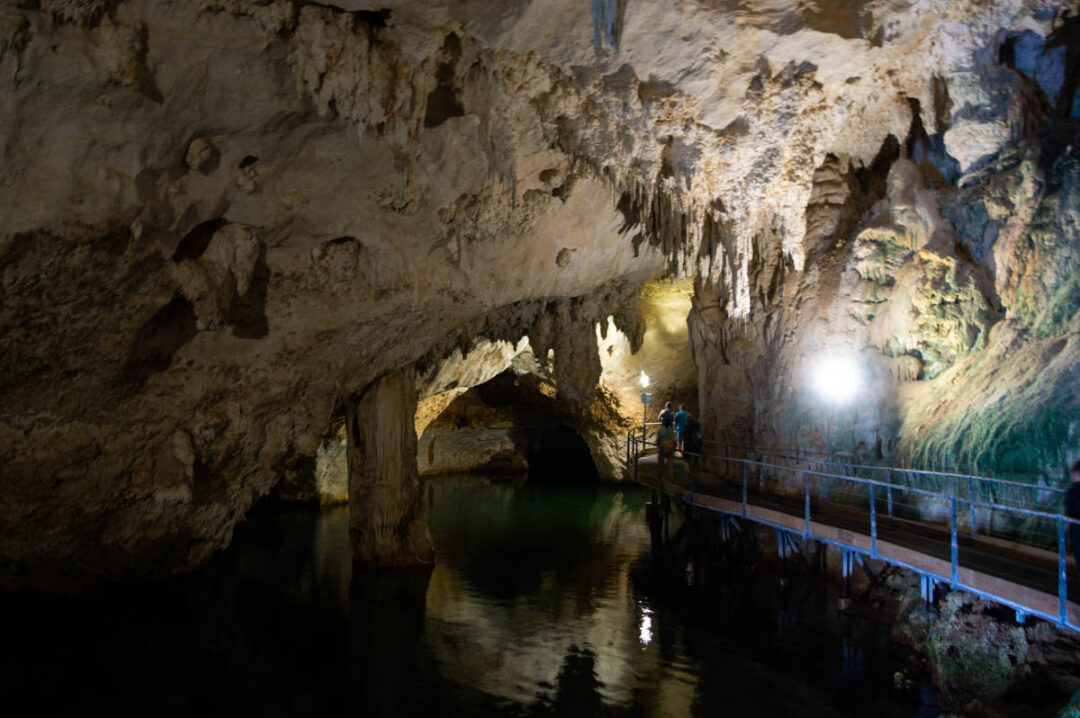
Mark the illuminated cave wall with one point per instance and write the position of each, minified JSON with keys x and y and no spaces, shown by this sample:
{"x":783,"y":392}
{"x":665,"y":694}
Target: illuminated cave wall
{"x":958,"y":305}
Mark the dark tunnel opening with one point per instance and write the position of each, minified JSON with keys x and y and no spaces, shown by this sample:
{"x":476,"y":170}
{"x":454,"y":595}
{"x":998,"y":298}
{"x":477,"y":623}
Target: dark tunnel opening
{"x":559,"y":453}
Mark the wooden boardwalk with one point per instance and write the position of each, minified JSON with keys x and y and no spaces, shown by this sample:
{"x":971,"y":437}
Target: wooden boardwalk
{"x":1022,"y":577}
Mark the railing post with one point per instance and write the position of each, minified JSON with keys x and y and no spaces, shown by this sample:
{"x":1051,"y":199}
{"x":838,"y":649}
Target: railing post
{"x":873,"y":524}
{"x":955,"y":545}
{"x":971,"y":498}
{"x":744,"y":478}
{"x":637,"y":458}
{"x":1063,"y":585}
{"x":806,"y":505}
{"x":888,"y":490}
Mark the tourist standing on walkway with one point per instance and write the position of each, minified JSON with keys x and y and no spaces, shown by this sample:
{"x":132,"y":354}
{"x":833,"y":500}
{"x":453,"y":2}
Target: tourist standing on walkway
{"x":691,"y":442}
{"x":1072,"y":510}
{"x":667,"y":416}
{"x":665,"y":441}
{"x":681,"y":416}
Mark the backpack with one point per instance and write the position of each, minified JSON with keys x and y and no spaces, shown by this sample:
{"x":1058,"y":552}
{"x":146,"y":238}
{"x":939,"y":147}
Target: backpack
{"x":666,"y":441}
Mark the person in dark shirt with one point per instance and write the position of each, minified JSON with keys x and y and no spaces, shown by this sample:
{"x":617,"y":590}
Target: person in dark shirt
{"x":1072,"y":510}
{"x":665,"y":442}
{"x":691,"y":442}
{"x":667,"y":416}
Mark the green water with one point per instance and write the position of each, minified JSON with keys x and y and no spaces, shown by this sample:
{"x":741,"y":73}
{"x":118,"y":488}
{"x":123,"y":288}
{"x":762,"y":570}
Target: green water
{"x":547,"y":600}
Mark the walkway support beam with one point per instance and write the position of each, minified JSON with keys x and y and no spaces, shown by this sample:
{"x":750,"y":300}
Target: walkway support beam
{"x":847,"y":568}
{"x":926,"y":589}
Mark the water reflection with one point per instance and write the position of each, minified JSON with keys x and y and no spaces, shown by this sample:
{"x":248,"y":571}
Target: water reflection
{"x":540,"y":591}
{"x":546,"y":600}
{"x":646,"y":626}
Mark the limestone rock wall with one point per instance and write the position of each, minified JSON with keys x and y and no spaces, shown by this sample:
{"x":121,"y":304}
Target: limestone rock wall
{"x":470,"y":435}
{"x":957,"y":304}
{"x":219,"y":219}
{"x":1014,"y":397}
{"x":664,"y":353}
{"x":646,"y":331}
{"x":912,"y":265}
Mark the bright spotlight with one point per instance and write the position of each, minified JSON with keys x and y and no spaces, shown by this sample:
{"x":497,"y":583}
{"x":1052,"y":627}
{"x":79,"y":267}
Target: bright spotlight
{"x":836,"y":378}
{"x":644,"y":380}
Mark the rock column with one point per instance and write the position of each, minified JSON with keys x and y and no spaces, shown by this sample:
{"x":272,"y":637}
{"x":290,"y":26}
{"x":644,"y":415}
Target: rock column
{"x":386,"y":497}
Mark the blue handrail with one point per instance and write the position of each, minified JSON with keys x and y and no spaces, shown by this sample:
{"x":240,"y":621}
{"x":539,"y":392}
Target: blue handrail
{"x":636,"y":443}
{"x":872,"y":467}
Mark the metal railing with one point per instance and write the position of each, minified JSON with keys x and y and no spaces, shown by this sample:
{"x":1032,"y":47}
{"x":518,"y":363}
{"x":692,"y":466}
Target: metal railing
{"x":971,"y":479}
{"x":809,"y":454}
{"x":953,"y":502}
{"x":974,"y":488}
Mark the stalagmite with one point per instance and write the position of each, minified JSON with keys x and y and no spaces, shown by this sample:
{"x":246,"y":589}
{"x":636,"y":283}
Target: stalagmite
{"x":386,"y":494}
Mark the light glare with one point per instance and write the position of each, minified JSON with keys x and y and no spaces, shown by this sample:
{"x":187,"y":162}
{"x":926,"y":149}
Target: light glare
{"x":644,"y":380}
{"x":836,"y":378}
{"x":645,"y":634}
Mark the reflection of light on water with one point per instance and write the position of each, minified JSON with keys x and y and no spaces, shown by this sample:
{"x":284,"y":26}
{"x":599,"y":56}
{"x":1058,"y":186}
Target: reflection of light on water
{"x":646,"y":627}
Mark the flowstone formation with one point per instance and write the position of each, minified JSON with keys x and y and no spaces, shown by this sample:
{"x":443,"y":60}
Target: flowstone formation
{"x":945,"y":268}
{"x":223,"y":221}
{"x":961,"y":307}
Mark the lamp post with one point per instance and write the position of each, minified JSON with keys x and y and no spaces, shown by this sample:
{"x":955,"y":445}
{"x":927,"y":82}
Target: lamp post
{"x":646,"y":399}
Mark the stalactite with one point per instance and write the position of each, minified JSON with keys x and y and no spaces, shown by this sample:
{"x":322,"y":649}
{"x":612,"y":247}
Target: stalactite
{"x":607,"y":24}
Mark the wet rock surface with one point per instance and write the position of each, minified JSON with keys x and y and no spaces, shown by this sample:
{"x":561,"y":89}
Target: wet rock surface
{"x":979,"y":657}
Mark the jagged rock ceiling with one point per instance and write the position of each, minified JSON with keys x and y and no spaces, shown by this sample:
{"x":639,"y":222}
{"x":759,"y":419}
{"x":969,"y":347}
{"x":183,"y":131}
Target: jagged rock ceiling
{"x":219,"y":218}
